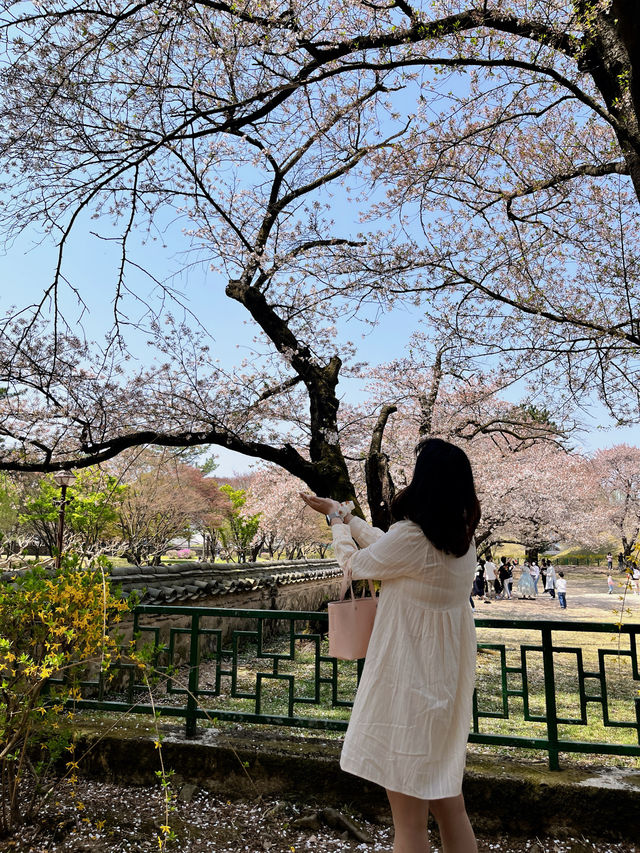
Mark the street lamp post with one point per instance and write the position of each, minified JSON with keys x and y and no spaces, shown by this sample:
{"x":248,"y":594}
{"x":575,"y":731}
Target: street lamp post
{"x":64,"y":479}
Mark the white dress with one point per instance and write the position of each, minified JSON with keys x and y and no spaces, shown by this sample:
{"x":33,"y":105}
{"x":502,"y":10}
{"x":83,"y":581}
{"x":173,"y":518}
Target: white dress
{"x":550,"y":582}
{"x":412,"y":713}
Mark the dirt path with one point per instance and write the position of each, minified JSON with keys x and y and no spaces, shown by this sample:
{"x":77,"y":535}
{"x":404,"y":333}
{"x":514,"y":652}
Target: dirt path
{"x":587,"y":599}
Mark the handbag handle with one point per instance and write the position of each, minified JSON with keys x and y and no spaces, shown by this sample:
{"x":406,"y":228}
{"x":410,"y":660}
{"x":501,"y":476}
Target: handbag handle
{"x":347,"y":582}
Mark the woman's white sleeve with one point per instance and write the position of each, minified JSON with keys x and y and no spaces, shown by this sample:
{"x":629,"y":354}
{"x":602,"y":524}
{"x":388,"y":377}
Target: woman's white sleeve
{"x":392,"y":554}
{"x":364,"y":533}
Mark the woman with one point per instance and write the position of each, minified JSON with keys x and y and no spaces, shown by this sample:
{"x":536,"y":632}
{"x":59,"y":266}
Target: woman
{"x":526,"y":587}
{"x":535,"y":575}
{"x":478,"y":581}
{"x":504,"y":573}
{"x":411,"y":716}
{"x":550,"y":580}
{"x":510,"y":566}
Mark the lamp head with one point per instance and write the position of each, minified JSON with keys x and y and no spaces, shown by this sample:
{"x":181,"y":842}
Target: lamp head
{"x":64,"y":478}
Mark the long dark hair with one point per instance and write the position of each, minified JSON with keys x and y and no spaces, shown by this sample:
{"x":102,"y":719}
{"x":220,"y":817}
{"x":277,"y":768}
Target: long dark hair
{"x":441,"y":497}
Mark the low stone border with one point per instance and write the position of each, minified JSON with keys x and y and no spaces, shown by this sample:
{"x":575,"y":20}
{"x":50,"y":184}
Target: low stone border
{"x":502,"y":794}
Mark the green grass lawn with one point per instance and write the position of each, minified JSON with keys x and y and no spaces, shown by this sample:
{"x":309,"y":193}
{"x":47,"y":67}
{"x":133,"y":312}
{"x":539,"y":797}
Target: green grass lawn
{"x":621,"y":689}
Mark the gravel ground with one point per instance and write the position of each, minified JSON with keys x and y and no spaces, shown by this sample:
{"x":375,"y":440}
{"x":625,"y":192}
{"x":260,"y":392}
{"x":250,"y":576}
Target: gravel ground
{"x":104,"y":818}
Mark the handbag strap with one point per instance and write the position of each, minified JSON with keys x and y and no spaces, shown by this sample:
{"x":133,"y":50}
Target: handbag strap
{"x":347,"y":582}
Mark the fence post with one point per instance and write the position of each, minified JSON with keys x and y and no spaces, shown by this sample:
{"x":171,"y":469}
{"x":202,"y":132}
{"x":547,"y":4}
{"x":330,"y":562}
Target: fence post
{"x":550,"y":697}
{"x":194,"y":677}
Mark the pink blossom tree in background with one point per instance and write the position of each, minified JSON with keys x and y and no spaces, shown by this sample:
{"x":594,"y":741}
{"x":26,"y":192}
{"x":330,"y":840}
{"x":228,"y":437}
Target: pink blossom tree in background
{"x":617,"y":470}
{"x":410,"y":402}
{"x":288,"y":528}
{"x":536,"y":498}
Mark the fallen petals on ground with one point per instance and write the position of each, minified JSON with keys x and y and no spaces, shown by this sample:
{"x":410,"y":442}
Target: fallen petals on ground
{"x":96,"y":817}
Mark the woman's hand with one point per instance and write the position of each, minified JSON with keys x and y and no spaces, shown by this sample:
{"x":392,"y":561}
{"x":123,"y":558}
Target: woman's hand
{"x":323,"y":505}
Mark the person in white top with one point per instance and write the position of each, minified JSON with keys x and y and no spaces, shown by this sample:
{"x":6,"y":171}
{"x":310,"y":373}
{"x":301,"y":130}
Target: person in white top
{"x":534,"y":569}
{"x":412,"y":712}
{"x":490,"y":577}
{"x":561,"y":589}
{"x":550,"y":582}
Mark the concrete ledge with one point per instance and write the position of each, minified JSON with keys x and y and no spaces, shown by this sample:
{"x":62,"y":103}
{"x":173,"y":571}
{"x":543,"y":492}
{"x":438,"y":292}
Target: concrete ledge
{"x":501,"y":794}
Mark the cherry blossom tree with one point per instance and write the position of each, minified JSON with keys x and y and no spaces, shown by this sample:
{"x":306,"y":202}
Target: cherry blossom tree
{"x":497,"y":142}
{"x":288,"y":528}
{"x":618,"y":472}
{"x":409,"y":402}
{"x":533,"y":489}
{"x":537,"y":497}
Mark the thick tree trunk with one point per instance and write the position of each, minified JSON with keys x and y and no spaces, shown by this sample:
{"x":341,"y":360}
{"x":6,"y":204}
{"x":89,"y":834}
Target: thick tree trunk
{"x":328,"y":475}
{"x":380,"y":486}
{"x":326,"y":471}
{"x":428,"y":401}
{"x":628,"y":28}
{"x":612,"y":57}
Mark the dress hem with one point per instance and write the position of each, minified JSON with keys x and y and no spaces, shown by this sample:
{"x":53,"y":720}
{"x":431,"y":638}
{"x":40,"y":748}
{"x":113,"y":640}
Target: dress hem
{"x":400,"y":789}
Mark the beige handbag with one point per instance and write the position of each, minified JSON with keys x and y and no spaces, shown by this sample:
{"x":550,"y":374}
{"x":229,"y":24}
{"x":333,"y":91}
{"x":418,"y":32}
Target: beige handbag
{"x":350,"y":624}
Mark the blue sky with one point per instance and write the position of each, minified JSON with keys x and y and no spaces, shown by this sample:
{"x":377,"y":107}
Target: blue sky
{"x":26,"y":268}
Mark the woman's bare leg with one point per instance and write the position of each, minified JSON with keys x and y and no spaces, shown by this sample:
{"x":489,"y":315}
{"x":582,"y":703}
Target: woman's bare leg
{"x":409,"y":822}
{"x":455,"y":829}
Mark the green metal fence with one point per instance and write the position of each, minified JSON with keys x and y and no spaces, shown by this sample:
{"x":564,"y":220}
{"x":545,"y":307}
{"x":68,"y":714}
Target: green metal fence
{"x":594,"y":688}
{"x":272,"y":667}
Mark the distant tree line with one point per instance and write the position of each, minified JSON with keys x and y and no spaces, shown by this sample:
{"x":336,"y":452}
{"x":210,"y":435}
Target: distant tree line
{"x":145,"y":505}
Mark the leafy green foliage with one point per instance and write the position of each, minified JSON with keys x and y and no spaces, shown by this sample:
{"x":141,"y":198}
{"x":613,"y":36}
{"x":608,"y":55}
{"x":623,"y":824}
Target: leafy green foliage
{"x":91,"y":512}
{"x":239,"y":530}
{"x":8,"y":511}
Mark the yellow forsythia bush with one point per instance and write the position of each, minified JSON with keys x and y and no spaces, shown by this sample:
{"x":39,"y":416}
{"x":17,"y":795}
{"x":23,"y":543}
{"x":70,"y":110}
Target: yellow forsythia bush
{"x":52,"y":625}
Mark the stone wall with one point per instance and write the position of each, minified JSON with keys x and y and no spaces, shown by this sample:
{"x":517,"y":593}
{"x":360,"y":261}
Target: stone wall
{"x":290,"y":586}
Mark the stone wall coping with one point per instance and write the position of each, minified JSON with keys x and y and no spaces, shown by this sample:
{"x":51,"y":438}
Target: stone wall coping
{"x":191,"y":580}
